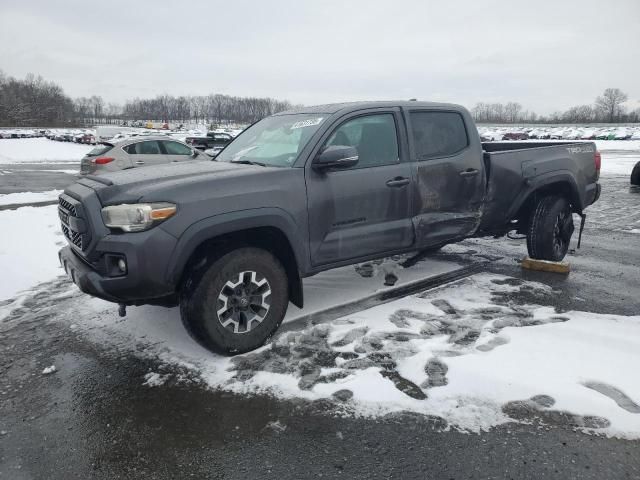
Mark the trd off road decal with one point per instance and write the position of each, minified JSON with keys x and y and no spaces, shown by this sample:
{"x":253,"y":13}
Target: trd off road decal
{"x":581,"y":149}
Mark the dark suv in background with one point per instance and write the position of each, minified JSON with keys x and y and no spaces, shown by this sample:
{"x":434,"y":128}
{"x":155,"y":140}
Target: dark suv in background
{"x":210,"y":141}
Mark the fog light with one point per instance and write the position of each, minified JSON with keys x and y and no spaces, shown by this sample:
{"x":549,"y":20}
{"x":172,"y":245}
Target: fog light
{"x":122,"y":265}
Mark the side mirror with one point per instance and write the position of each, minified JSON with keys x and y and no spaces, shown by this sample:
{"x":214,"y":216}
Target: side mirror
{"x":335,"y":157}
{"x":194,"y":153}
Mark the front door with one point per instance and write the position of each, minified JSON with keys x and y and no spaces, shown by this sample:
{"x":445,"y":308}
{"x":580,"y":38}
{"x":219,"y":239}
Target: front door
{"x":363,"y":210}
{"x":449,"y":174}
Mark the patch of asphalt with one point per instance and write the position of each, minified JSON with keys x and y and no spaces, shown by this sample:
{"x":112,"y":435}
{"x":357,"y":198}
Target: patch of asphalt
{"x":15,"y":206}
{"x":27,"y":177}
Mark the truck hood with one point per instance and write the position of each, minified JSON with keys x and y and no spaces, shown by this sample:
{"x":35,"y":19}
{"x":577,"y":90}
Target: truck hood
{"x":131,"y":185}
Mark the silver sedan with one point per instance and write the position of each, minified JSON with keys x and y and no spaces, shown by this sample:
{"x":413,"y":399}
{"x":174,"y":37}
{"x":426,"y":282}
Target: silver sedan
{"x":137,"y":152}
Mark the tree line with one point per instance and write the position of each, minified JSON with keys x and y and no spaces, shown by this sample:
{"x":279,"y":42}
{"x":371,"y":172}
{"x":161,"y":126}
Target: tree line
{"x":607,"y":108}
{"x":35,"y":102}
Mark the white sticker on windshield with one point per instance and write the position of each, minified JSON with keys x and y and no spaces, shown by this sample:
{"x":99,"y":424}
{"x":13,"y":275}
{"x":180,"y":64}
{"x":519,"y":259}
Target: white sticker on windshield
{"x":307,"y":123}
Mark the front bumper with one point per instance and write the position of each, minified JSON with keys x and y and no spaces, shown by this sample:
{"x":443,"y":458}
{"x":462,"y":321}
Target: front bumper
{"x":145,"y":281}
{"x":87,"y":279}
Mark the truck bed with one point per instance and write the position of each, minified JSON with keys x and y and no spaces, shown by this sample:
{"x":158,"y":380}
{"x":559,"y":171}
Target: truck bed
{"x":514,"y":169}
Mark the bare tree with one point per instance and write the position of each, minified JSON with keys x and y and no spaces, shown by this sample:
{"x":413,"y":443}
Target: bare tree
{"x":610,"y":104}
{"x":512,"y":111}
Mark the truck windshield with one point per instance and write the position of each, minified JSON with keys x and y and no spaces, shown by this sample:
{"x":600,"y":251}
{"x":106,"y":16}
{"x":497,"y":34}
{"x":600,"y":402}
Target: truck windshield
{"x":274,"y":141}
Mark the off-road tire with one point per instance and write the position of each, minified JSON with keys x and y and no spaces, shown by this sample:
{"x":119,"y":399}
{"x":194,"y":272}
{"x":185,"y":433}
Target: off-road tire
{"x":199,"y":300}
{"x":546,"y":240}
{"x":635,"y":175}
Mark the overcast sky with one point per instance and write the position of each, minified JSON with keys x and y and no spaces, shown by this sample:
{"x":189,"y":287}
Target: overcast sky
{"x":548,"y":55}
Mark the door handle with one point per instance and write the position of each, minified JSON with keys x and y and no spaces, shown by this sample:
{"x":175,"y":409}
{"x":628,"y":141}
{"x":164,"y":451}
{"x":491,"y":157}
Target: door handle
{"x":139,"y":162}
{"x":469,"y":172}
{"x":398,"y":182}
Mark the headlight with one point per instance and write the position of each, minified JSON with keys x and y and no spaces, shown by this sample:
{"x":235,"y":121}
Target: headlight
{"x":138,"y":216}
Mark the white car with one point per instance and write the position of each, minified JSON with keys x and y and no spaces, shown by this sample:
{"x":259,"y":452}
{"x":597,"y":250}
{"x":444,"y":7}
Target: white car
{"x":622,"y":134}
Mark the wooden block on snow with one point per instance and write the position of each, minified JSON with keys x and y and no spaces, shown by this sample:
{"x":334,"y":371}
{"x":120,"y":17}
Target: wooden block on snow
{"x":545,"y":265}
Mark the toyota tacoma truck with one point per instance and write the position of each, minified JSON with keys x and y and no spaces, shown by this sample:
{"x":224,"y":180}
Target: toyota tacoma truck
{"x":308,"y":190}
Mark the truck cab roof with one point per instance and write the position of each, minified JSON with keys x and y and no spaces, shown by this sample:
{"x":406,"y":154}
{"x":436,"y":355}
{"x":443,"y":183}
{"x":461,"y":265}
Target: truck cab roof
{"x":332,"y":108}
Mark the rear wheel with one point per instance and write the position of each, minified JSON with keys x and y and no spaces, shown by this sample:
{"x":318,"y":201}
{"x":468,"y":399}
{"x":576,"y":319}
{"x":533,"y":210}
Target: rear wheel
{"x":237,"y":303}
{"x":635,"y":175}
{"x":550,"y":229}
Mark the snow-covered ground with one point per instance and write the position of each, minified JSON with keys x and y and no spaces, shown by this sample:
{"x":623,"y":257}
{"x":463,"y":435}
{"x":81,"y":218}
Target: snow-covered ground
{"x":22,"y":198}
{"x":41,"y":150}
{"x":29,"y":246}
{"x":618,"y":157}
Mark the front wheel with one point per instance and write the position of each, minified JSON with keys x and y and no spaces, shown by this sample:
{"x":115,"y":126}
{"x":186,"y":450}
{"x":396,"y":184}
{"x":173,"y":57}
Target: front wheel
{"x":237,"y":303}
{"x":550,"y":229}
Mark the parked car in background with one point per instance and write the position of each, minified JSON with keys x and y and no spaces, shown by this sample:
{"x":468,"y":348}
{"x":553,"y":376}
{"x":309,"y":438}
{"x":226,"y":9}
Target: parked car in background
{"x":588,"y":135}
{"x":515,"y":136}
{"x":88,"y":138}
{"x":209,"y":141}
{"x":137,"y":152}
{"x":621,"y":134}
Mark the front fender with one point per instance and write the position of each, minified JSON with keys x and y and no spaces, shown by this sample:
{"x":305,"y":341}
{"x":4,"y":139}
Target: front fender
{"x":211,"y":227}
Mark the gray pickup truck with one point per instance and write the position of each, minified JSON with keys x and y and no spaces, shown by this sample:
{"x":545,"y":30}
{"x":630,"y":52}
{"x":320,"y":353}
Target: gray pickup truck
{"x":308,"y":190}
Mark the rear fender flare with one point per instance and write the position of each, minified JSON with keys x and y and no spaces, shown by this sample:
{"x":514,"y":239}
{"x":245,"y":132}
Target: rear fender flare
{"x":536,"y":184}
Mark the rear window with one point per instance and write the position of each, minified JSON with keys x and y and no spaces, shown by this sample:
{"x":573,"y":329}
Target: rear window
{"x":438,"y":134}
{"x":100,"y":149}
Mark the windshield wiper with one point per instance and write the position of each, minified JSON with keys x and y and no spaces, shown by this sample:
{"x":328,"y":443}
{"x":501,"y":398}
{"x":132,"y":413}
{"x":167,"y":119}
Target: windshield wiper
{"x":249,"y":162}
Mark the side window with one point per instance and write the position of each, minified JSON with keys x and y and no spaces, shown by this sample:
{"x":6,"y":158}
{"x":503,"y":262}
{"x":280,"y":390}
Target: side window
{"x":175,"y":148}
{"x":143,"y":148}
{"x":130,"y":149}
{"x":438,"y":134}
{"x":374,"y":136}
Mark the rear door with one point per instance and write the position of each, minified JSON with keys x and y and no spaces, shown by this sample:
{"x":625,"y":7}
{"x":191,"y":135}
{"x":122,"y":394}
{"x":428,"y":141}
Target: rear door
{"x":449,"y":175}
{"x":176,"y":151}
{"x":363,"y":210}
{"x":145,"y":153}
